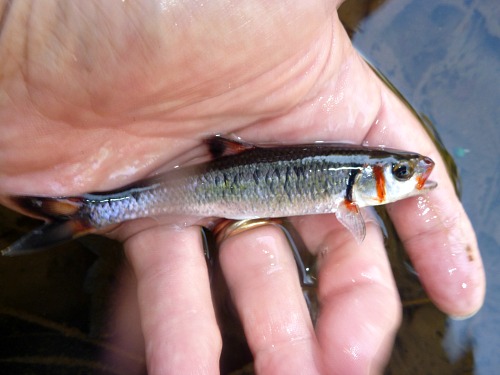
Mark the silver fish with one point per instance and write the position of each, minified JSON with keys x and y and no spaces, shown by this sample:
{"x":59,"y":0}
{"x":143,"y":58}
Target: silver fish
{"x":244,"y":181}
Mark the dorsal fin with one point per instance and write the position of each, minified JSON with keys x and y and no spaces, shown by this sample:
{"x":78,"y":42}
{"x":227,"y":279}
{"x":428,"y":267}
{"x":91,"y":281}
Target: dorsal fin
{"x":220,"y":146}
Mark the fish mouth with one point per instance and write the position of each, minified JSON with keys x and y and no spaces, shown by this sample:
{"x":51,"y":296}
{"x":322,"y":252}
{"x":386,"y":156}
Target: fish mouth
{"x":429,"y":185}
{"x":427,"y":166}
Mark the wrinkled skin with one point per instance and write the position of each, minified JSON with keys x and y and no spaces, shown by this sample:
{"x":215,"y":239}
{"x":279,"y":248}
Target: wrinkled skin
{"x":95,"y":95}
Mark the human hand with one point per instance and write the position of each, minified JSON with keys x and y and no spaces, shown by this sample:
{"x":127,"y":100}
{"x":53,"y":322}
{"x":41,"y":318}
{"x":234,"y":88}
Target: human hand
{"x":98,"y":95}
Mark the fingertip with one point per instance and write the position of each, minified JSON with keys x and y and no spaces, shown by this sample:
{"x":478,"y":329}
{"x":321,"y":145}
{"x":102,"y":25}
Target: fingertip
{"x":442,"y":246}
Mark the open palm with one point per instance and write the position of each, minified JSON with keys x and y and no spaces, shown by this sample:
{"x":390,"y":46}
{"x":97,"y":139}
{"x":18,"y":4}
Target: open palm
{"x":96,"y":95}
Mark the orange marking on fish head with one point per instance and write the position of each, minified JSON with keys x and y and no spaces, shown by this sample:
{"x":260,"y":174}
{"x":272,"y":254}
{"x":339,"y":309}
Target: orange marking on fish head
{"x":420,"y":182}
{"x":378,"y":172}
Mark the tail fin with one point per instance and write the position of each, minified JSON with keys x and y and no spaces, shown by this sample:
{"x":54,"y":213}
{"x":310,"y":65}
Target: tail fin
{"x":64,"y":222}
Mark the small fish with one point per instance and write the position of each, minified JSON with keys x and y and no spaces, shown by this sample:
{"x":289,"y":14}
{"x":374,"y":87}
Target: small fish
{"x":244,"y":181}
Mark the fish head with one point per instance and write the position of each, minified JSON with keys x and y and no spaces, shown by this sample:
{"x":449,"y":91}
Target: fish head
{"x":392,"y":178}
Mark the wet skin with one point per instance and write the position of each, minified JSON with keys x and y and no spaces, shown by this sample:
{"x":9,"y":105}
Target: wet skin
{"x":94,"y":96}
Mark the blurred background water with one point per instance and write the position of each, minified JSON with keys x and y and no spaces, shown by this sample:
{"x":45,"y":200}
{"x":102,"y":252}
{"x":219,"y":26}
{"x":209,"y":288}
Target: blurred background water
{"x":444,"y":57}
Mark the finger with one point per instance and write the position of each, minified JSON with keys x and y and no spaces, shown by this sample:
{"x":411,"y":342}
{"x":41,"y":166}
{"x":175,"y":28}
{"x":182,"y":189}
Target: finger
{"x":435,"y":229}
{"x":126,"y":354}
{"x":360,"y":306}
{"x":262,"y":277}
{"x":178,"y":321}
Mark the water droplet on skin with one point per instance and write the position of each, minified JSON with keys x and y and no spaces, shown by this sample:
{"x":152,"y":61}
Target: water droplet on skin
{"x":428,"y":220}
{"x":422,"y":203}
{"x":353,"y":351}
{"x":366,"y":275}
{"x":272,"y":260}
{"x":424,"y":209}
{"x":383,"y":129}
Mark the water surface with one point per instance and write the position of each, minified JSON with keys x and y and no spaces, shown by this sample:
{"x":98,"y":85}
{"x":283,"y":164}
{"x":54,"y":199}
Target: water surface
{"x":444,"y":57}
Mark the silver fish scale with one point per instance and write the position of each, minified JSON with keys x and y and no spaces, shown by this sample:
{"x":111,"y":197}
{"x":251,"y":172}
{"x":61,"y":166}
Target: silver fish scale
{"x":278,"y":188}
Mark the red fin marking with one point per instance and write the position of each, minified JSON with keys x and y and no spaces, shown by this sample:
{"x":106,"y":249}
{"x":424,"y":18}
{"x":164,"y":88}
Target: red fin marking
{"x":378,"y":171}
{"x":47,"y":207}
{"x":351,"y":206}
{"x":62,"y":207}
{"x":220,"y":146}
{"x":64,"y":222}
{"x":349,"y":214}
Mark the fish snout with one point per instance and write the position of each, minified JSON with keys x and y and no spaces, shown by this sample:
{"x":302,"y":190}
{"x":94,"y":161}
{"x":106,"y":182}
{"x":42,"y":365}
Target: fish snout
{"x":425,"y":166}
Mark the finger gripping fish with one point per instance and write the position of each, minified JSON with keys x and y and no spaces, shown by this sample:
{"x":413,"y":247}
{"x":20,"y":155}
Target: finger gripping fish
{"x":244,"y":181}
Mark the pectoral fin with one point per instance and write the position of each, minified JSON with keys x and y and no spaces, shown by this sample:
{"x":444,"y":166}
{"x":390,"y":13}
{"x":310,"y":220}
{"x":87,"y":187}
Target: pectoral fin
{"x":350,"y":216}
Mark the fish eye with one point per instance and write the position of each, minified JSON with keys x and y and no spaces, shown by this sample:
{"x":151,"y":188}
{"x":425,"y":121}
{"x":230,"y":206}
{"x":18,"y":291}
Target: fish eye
{"x":402,"y":171}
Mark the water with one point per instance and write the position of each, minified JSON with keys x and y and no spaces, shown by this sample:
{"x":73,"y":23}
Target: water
{"x":444,"y":57}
